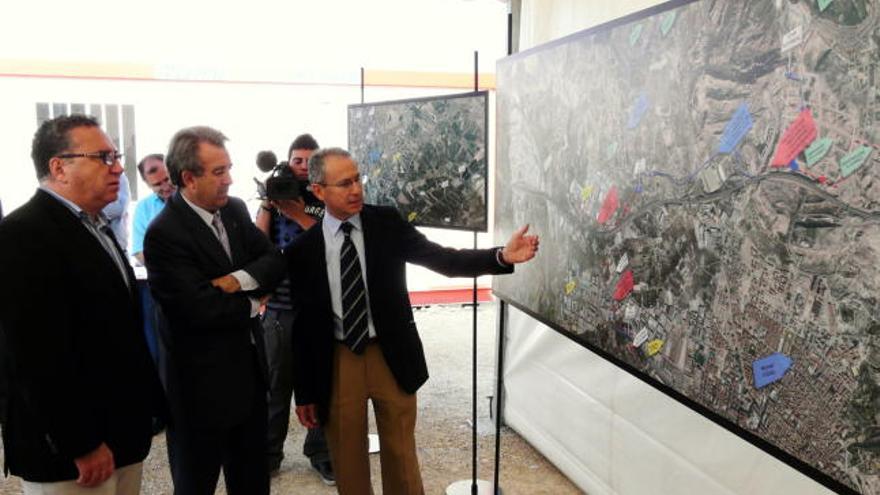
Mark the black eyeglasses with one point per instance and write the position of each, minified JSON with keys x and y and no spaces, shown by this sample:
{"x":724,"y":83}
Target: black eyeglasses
{"x":344,"y":184}
{"x":108,"y":158}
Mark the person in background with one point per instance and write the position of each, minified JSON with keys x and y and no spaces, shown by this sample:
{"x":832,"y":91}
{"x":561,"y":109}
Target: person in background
{"x":284,"y":221}
{"x":153,"y":171}
{"x":82,"y":390}
{"x":117,"y":213}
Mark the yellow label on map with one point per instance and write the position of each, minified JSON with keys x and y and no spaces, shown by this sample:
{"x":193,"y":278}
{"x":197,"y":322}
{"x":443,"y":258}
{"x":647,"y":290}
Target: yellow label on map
{"x":586,"y":192}
{"x":412,"y":216}
{"x":569,"y":287}
{"x":654,"y":346}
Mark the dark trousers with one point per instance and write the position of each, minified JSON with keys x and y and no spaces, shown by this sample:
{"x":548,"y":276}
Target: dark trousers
{"x":277,"y":331}
{"x":197,"y":454}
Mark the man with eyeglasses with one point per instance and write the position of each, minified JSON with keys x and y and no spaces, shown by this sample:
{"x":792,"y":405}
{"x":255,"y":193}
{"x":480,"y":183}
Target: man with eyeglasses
{"x":210,"y":269}
{"x":153,"y":171}
{"x":82,"y":387}
{"x":284,"y":221}
{"x":354,"y":338}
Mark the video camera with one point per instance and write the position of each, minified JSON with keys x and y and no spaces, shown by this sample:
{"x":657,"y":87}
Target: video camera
{"x":281,"y":183}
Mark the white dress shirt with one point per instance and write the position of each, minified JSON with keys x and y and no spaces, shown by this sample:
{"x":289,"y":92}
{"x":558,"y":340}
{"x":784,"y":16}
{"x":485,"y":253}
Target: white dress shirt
{"x":333,"y":239}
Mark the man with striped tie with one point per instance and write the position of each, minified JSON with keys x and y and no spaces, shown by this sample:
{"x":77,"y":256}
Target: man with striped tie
{"x":355,"y":338}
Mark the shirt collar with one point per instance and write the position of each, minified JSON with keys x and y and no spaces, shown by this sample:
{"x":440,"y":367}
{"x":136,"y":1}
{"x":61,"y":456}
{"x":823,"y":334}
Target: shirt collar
{"x":332,"y":224}
{"x":204,"y":214}
{"x":98,"y":221}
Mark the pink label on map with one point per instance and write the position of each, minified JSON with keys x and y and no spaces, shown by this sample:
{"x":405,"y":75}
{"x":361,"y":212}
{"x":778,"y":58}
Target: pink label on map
{"x":795,"y":139}
{"x":609,"y":205}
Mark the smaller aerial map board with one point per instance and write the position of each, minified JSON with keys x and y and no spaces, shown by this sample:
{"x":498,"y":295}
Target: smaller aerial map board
{"x":705,"y":178}
{"x":426,"y":156}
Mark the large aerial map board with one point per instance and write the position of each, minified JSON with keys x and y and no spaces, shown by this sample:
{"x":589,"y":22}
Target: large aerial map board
{"x":705,"y":179}
{"x":426,"y":156}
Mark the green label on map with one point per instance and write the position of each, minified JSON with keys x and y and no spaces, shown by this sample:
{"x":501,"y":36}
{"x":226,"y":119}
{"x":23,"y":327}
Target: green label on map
{"x":823,"y":4}
{"x":667,"y":22}
{"x":611,"y":150}
{"x":853,"y":160}
{"x":635,"y":34}
{"x":818,"y":150}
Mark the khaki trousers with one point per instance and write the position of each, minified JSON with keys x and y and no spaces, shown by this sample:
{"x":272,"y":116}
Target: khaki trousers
{"x":356,"y":379}
{"x":123,"y":481}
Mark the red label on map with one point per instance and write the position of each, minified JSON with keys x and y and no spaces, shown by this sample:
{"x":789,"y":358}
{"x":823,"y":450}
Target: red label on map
{"x":624,"y":286}
{"x":795,"y":139}
{"x":609,"y":205}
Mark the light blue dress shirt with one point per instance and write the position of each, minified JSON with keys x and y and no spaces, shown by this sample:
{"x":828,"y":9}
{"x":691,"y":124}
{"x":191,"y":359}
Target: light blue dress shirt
{"x":333,"y":239}
{"x":146,"y":210}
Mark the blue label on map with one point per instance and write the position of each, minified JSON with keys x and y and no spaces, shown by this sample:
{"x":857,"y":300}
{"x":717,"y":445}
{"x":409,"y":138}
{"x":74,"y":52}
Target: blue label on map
{"x":794,"y":166}
{"x":770,"y":369}
{"x":638,"y":111}
{"x":374,"y":157}
{"x":736,"y":129}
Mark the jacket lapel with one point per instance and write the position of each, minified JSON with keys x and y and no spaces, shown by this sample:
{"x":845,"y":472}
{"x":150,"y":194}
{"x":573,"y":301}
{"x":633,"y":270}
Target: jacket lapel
{"x":70,"y":227}
{"x":372,"y":246}
{"x":233,"y":232}
{"x":201,"y":233}
{"x":317,"y":252}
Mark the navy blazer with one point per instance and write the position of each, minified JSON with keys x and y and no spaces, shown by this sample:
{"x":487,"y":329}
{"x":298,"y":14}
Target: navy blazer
{"x":79,"y":370}
{"x":211,"y":370}
{"x":390,"y":243}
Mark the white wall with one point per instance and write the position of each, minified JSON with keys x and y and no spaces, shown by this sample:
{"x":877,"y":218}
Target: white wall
{"x":606,"y":430}
{"x":260,"y":40}
{"x":254,"y":116}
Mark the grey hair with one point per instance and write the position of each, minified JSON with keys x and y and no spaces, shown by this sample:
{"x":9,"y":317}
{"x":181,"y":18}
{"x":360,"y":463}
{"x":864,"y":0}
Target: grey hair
{"x":183,"y":151}
{"x":316,"y":162}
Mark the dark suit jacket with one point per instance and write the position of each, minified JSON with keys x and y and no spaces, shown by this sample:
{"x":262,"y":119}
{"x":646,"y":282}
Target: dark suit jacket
{"x":390,"y":243}
{"x":211,"y":371}
{"x":78,"y":366}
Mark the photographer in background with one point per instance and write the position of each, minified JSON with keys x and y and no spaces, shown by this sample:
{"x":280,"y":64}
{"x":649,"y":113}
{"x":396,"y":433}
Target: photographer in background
{"x":283,"y":220}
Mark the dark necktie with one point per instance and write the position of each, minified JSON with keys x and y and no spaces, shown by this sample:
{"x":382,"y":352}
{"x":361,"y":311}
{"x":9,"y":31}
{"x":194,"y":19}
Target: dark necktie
{"x":220,"y":231}
{"x":115,"y":252}
{"x":354,"y":295}
{"x":107,"y":238}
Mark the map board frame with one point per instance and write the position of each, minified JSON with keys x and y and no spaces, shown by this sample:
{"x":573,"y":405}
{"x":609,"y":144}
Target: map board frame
{"x":378,"y":145}
{"x":742,"y":136}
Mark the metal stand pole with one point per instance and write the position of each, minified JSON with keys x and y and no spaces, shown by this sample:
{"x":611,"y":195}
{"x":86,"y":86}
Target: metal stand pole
{"x":499,"y":388}
{"x":473,"y":486}
{"x":372,"y":438}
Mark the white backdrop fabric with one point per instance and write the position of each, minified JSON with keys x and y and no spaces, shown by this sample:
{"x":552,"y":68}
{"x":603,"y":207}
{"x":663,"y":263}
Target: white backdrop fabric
{"x":611,"y":433}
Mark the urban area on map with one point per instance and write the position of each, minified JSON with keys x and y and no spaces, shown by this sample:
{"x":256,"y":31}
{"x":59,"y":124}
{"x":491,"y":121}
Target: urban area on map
{"x":427,"y":157}
{"x":706,"y":185}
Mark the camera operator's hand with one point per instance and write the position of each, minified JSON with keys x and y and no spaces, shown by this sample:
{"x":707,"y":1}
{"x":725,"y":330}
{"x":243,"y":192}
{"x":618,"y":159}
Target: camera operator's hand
{"x":264,"y":217}
{"x":295,"y":209}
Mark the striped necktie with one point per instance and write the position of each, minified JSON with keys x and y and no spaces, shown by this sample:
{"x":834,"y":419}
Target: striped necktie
{"x":354,"y":295}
